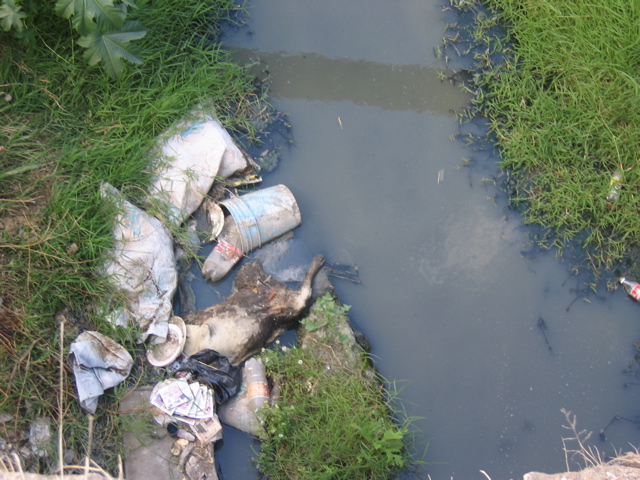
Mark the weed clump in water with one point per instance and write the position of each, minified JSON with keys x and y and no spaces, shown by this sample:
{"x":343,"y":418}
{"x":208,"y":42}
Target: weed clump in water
{"x":332,"y":418}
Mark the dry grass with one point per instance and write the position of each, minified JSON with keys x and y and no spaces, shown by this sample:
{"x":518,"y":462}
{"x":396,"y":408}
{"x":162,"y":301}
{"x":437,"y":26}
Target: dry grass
{"x":13,"y":471}
{"x":583,"y":453}
{"x":89,"y":471}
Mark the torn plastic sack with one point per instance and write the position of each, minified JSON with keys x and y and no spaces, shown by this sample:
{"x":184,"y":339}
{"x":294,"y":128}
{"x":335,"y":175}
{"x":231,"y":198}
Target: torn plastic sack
{"x":224,"y":378}
{"x":98,"y":363}
{"x":234,"y":160}
{"x":187,"y":165}
{"x":142,"y":265}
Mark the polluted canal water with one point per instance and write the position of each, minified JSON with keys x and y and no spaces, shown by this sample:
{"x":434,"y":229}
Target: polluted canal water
{"x":488,"y":339}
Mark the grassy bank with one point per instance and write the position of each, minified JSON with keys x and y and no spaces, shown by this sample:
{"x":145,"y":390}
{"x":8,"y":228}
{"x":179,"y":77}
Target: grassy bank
{"x":66,"y":128}
{"x":560,"y":85}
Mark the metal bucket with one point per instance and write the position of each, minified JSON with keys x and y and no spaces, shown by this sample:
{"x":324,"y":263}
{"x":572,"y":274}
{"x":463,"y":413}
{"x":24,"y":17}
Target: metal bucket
{"x":263,"y":215}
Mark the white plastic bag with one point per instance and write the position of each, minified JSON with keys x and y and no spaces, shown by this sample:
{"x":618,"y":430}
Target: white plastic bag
{"x":234,"y":160}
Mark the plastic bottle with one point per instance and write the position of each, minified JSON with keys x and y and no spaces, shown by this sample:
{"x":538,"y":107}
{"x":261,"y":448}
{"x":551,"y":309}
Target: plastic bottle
{"x":614,"y":186}
{"x":632,"y":288}
{"x":225,"y":254}
{"x":256,"y":380}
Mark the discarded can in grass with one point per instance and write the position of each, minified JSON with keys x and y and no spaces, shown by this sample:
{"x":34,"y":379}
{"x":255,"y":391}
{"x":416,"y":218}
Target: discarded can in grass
{"x":632,"y":288}
{"x":256,"y":381}
{"x":175,"y":431}
{"x":614,"y":186}
{"x":255,"y":218}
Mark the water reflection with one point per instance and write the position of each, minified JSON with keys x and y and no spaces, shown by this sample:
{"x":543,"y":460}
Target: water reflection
{"x":375,"y":30}
{"x":448,"y":300}
{"x":469,"y":244}
{"x":366,"y":83}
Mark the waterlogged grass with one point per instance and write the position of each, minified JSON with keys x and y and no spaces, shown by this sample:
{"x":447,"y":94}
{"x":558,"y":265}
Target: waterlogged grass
{"x":559,"y":81}
{"x":66,"y":128}
{"x":331,"y":421}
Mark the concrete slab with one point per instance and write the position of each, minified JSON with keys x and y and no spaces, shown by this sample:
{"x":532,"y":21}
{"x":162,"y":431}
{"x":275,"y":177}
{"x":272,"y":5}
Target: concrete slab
{"x":148,"y":447}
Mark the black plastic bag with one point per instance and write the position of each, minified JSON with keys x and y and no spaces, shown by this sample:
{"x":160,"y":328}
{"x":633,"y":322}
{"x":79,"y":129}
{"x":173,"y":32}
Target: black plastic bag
{"x":224,"y":378}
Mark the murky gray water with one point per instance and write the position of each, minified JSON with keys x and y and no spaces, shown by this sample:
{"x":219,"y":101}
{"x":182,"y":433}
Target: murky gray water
{"x":448,"y":299}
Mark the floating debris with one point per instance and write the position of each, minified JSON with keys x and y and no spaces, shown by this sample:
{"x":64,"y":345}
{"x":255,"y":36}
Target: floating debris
{"x":346,"y":272}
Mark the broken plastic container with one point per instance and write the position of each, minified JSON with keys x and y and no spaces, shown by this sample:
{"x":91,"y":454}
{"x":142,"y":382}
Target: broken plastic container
{"x":614,"y":186}
{"x":240,"y":411}
{"x":215,"y":218}
{"x":225,"y":254}
{"x":254,"y":219}
{"x":161,"y":353}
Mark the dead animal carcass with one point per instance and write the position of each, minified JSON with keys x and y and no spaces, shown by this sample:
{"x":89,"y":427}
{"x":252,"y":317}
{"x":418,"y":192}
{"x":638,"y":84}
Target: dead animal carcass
{"x":261,"y":309}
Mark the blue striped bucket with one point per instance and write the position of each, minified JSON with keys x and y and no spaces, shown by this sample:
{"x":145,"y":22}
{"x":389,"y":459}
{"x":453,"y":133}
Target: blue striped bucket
{"x":263,"y":215}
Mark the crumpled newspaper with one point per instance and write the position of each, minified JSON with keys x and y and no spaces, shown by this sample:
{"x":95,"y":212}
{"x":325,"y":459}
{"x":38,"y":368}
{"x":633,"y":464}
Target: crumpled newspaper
{"x":143,"y":266}
{"x":98,"y":363}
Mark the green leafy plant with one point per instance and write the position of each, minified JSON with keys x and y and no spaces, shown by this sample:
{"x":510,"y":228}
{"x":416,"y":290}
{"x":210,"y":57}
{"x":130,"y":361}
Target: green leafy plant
{"x":104,"y":32}
{"x":327,"y":311}
{"x":112,"y":47}
{"x":11,"y":17}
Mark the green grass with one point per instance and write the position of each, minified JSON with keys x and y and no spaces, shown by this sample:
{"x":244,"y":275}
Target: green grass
{"x":561,"y":89}
{"x":66,"y":128}
{"x":333,"y":422}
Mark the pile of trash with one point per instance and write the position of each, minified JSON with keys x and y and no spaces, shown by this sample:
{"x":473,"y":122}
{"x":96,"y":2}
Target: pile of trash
{"x":209,"y":352}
